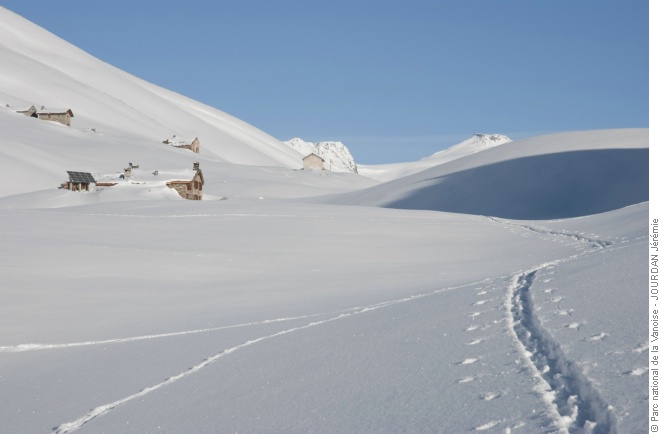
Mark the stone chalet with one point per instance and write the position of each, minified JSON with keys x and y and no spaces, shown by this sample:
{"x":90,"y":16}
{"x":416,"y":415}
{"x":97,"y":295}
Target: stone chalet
{"x":60,"y":115}
{"x":190,"y":184}
{"x":192,"y":144}
{"x":313,"y":161}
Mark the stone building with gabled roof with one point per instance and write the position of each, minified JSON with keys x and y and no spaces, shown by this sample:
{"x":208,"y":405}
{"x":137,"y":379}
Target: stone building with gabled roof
{"x":313,"y":161}
{"x":192,"y":144}
{"x":60,"y":115}
{"x":190,"y":185}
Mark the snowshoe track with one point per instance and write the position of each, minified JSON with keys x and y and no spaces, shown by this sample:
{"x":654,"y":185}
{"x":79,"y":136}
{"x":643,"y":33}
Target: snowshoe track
{"x":573,"y":402}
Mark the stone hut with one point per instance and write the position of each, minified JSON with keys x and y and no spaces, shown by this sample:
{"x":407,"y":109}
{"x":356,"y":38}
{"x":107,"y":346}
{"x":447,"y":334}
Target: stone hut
{"x":192,"y":144}
{"x":313,"y":161}
{"x":191,"y":187}
{"x":62,"y":116}
{"x":79,"y":181}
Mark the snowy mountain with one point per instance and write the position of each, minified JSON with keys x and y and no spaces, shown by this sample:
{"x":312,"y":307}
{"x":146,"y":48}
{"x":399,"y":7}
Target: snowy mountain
{"x":335,"y":154}
{"x":499,"y":291}
{"x":476,"y":143}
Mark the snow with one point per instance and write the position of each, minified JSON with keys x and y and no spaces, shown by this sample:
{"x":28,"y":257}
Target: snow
{"x":476,"y":143}
{"x":307,"y":301}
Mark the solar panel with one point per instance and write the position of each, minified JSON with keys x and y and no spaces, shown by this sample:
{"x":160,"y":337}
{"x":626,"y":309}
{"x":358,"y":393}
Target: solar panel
{"x":82,"y":177}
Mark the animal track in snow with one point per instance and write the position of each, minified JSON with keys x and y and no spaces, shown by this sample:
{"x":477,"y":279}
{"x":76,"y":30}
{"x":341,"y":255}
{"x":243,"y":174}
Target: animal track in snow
{"x":575,"y":325}
{"x":491,"y":396}
{"x":642,"y":348}
{"x":638,"y":371}
{"x":599,"y":337}
{"x":488,"y":425}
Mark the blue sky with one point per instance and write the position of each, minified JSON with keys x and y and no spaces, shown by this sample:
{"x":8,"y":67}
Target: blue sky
{"x":395,"y":80}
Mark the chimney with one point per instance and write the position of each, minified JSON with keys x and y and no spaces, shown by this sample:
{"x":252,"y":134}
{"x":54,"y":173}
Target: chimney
{"x":196,"y":166}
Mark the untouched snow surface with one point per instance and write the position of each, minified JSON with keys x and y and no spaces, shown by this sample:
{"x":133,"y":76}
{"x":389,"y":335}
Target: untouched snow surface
{"x":476,"y":143}
{"x":555,"y":176}
{"x":128,"y":309}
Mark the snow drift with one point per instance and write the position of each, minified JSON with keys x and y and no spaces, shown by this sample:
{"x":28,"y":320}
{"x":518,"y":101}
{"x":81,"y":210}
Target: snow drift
{"x":555,"y":176}
{"x":472,"y":145}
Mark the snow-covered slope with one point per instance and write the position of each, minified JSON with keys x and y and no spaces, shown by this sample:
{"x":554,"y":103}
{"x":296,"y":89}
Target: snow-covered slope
{"x":555,"y":176}
{"x":41,"y":69}
{"x":131,"y":310}
{"x":475,"y":143}
{"x":335,"y":154}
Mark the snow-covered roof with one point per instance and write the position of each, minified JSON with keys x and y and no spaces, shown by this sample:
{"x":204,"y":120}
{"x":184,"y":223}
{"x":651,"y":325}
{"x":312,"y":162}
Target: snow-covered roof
{"x":22,"y":108}
{"x":313,"y":155}
{"x":180,"y":141}
{"x":152,"y":176}
{"x":54,"y":111}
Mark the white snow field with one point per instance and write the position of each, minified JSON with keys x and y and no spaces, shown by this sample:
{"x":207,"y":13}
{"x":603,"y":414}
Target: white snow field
{"x":302,"y":301}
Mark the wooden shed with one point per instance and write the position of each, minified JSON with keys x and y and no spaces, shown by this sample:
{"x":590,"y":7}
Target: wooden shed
{"x":313,"y":161}
{"x":79,"y":181}
{"x":192,"y":144}
{"x":62,"y":116}
{"x":190,"y":188}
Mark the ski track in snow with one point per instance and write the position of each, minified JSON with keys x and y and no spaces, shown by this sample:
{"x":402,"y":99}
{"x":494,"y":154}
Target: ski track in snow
{"x":594,"y":242}
{"x":104,"y":409}
{"x":573,"y":402}
{"x":37,"y":347}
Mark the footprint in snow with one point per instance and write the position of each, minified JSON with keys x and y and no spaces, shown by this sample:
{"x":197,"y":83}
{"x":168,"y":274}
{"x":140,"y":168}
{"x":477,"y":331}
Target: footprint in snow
{"x":637,"y":372}
{"x":466,"y":380}
{"x":575,"y":325}
{"x":564,"y":312}
{"x":490,"y":396}
{"x":642,"y":348}
{"x":488,"y":425}
{"x":599,"y":337}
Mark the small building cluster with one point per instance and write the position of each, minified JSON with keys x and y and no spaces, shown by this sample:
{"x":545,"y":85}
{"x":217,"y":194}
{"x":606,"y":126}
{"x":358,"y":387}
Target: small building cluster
{"x":61,"y":115}
{"x":187,"y":183}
